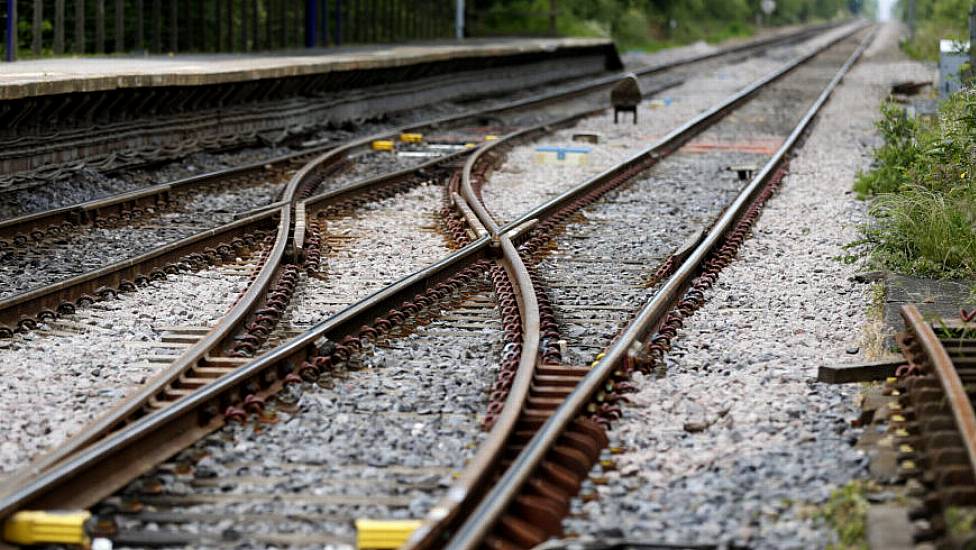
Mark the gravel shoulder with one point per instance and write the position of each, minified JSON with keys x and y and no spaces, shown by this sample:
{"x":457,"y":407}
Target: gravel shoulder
{"x":57,"y":379}
{"x":737,"y":442}
{"x":522,"y":182}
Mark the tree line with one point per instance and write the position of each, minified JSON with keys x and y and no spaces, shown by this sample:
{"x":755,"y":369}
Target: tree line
{"x":649,"y":23}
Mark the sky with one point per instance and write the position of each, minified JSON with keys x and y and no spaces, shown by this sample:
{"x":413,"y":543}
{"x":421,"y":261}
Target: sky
{"x":885,"y":8}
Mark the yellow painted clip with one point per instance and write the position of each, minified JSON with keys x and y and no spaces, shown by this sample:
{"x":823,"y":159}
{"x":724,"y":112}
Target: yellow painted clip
{"x":470,"y":145}
{"x":382,"y":145}
{"x":32,"y":527}
{"x":410,"y":137}
{"x":491,"y":137}
{"x":382,"y":534}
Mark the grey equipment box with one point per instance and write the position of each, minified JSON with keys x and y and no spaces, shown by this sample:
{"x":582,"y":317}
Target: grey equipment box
{"x":952,"y":56}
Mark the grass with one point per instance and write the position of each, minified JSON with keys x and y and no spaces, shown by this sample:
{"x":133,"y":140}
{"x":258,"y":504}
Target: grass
{"x":923,"y":192}
{"x":846,"y":512}
{"x":633,"y":27}
{"x":925,"y":44}
{"x":937,"y":19}
{"x":961,"y":522}
{"x":875,"y":330}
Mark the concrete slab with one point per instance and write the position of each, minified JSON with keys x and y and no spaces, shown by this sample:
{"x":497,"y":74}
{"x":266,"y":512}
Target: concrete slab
{"x":934,"y":298}
{"x":889,"y":528}
{"x":87,"y":74}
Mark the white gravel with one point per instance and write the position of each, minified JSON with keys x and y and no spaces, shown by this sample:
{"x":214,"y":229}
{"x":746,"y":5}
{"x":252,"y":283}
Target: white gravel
{"x":635,"y":59}
{"x":520,"y":182}
{"x":774,"y":442}
{"x":393,"y":432}
{"x":368,"y":249}
{"x":56,"y":380}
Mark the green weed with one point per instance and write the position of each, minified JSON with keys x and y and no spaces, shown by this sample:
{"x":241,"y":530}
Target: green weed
{"x":923,"y":186}
{"x":847,"y":512}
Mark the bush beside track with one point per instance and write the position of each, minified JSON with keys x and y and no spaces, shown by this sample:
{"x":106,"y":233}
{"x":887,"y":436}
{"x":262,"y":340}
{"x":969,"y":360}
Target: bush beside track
{"x":923,"y":192}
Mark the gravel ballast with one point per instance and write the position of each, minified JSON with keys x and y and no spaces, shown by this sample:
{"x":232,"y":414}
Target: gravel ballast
{"x":91,"y":247}
{"x":366,"y":250}
{"x":382,"y":440}
{"x":737,"y":442}
{"x":56,"y":380}
{"x":521,"y":182}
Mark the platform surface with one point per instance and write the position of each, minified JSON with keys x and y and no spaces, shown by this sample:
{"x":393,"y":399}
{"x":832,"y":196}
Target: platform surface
{"x":87,"y":74}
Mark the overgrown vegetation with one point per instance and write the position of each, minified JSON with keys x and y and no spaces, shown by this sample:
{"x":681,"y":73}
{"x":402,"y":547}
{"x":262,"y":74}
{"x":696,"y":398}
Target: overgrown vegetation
{"x":924,"y":192}
{"x":935,"y":20}
{"x":961,"y":522}
{"x":650,"y":24}
{"x":847,"y":512}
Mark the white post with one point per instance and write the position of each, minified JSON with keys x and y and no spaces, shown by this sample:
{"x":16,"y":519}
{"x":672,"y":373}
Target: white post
{"x":459,"y":19}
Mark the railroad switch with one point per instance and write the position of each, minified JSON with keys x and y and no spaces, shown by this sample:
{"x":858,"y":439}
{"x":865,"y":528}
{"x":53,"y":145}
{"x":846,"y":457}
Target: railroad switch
{"x":36,"y":527}
{"x":381,"y":534}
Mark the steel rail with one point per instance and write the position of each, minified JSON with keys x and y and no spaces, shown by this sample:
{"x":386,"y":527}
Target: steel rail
{"x":188,"y":416}
{"x":29,"y":222}
{"x":470,"y":484}
{"x":942,"y":367}
{"x":51,"y":487}
{"x":588,"y":87}
{"x":218,"y":337}
{"x":152,"y":195}
{"x":241,"y":115}
{"x":490,"y":509}
{"x":21,"y":308}
{"x":196,"y":353}
{"x":478,"y":471}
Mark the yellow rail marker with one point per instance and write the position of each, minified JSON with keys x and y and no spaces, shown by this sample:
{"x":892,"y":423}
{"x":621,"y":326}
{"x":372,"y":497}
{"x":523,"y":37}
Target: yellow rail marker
{"x":491,"y":137}
{"x":383,"y":534}
{"x":382,"y":145}
{"x":409,"y":137}
{"x":30,"y":528}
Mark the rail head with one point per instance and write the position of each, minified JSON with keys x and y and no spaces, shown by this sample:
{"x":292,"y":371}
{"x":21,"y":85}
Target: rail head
{"x":939,"y":364}
{"x":489,"y":510}
{"x":346,"y":322}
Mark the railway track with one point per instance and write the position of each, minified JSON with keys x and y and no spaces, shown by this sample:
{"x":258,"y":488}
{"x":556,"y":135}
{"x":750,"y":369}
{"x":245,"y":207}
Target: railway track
{"x":556,"y":439}
{"x":934,"y":426}
{"x":108,"y":131}
{"x":22,"y":310}
{"x":216,"y":381}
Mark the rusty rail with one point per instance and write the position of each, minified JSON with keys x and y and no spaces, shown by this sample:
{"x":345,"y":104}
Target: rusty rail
{"x":22,"y":312}
{"x":933,"y":424}
{"x":941,"y":366}
{"x":510,"y":517}
{"x":48,"y":222}
{"x":70,"y":476}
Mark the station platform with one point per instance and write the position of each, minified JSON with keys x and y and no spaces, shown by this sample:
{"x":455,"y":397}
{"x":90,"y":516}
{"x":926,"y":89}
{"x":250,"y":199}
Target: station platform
{"x":124,"y":111}
{"x":25,"y":79}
